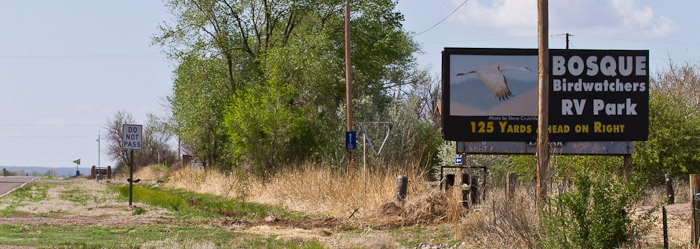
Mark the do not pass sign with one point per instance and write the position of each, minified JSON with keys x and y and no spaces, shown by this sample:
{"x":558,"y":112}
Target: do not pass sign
{"x":132,"y":137}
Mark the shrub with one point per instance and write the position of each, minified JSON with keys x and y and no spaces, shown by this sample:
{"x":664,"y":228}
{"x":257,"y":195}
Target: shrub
{"x":594,"y":215}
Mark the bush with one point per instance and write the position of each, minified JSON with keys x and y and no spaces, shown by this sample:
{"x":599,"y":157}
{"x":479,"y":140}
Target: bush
{"x":594,"y":215}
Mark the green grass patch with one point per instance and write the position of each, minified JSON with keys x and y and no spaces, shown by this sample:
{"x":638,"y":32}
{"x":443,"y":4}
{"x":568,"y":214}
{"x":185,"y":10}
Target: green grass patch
{"x":74,"y":236}
{"x":208,"y":206}
{"x":75,"y":195}
{"x":51,"y":178}
{"x":138,"y":211}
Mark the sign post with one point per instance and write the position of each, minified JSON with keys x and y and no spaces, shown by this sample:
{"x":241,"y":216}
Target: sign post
{"x":131,"y":140}
{"x":77,"y":171}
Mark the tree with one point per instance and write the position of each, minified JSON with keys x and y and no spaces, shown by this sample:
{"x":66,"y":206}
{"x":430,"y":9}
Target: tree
{"x":155,"y":143}
{"x":673,"y":145}
{"x":115,"y":135}
{"x":200,"y":96}
{"x":155,"y":139}
{"x":229,"y":51}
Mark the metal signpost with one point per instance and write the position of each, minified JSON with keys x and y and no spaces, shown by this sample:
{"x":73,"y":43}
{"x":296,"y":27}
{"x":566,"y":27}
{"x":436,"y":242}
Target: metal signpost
{"x":131,"y":140}
{"x":366,"y":140}
{"x":77,"y":171}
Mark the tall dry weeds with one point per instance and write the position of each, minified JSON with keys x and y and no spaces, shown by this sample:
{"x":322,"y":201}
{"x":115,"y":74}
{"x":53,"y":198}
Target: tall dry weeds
{"x":501,"y":223}
{"x":311,"y":188}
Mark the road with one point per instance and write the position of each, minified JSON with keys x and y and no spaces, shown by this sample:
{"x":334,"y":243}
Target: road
{"x":7,"y":184}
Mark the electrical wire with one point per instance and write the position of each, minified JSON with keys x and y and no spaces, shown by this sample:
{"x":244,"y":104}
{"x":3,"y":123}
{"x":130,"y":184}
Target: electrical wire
{"x":50,"y":125}
{"x":82,"y":56}
{"x":46,"y":136}
{"x":438,"y":23}
{"x":645,"y":41}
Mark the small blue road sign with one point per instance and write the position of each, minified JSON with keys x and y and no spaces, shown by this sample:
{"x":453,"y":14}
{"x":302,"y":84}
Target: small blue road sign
{"x":458,"y":160}
{"x":350,"y":140}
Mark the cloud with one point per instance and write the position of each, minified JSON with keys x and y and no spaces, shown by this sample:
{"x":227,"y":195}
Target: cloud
{"x":597,"y":17}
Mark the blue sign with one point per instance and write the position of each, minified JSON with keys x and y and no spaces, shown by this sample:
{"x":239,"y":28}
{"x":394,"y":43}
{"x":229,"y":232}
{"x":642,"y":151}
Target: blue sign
{"x":458,"y":160}
{"x":350,"y":140}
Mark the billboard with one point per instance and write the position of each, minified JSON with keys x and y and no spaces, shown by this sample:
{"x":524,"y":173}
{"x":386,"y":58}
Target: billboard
{"x":595,"y":95}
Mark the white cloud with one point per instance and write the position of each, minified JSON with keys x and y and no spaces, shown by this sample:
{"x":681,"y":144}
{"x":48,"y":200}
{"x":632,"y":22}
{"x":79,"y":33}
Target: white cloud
{"x":593,"y":17}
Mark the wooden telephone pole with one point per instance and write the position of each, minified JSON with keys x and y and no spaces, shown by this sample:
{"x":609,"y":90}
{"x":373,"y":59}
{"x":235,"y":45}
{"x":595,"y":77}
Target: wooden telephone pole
{"x":348,"y":79}
{"x":543,"y":105}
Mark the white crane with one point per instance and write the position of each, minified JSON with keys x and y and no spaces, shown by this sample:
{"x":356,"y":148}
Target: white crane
{"x":492,"y":77}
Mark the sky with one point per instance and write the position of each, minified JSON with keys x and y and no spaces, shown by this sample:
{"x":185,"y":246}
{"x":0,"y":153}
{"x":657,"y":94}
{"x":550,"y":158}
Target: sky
{"x":67,"y":66}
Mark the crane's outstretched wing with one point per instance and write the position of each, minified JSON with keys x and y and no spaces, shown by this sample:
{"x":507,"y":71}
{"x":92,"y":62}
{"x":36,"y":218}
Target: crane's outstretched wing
{"x":496,"y":82}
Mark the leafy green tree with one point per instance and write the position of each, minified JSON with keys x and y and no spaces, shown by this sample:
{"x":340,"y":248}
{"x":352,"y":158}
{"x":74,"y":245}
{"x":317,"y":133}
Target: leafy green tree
{"x":200,"y":96}
{"x":673,"y":145}
{"x":228,"y":51}
{"x":267,"y":132}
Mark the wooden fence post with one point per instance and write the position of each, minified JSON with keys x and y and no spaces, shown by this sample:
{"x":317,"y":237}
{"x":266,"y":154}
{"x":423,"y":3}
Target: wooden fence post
{"x":694,"y":188}
{"x":669,"y":189}
{"x":401,"y":188}
{"x":510,"y":185}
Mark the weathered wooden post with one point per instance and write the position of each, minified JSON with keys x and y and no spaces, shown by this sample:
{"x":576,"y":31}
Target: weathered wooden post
{"x":109,"y":172}
{"x":510,"y":185}
{"x":401,"y":188}
{"x":694,"y":188}
{"x":474,"y":190}
{"x":449,"y":181}
{"x":465,"y":187}
{"x":669,"y":189}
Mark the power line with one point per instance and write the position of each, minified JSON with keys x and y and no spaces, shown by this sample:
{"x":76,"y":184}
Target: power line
{"x":51,"y":125}
{"x":485,"y":39}
{"x":448,"y":16}
{"x":645,"y":41}
{"x":21,"y":136}
{"x":84,"y":56}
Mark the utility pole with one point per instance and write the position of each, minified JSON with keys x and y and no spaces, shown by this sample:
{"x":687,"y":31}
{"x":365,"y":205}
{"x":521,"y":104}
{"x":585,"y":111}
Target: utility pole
{"x":98,"y":149}
{"x":348,"y":79}
{"x":567,"y":40}
{"x":543,"y":105}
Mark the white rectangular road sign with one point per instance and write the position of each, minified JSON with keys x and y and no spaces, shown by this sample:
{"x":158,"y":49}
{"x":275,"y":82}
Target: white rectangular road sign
{"x":131,"y":137}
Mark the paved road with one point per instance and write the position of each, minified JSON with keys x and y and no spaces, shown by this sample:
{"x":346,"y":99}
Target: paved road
{"x":9,"y":183}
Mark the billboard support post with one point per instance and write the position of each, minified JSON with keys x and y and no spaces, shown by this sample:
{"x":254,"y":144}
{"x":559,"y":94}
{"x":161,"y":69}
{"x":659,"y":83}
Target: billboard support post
{"x":543,"y":105}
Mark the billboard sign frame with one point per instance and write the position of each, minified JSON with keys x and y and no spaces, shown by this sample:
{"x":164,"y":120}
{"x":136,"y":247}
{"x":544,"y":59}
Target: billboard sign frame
{"x":595,"y":95}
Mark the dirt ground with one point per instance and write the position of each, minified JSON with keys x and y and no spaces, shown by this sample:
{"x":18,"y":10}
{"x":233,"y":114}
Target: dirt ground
{"x":101,"y":208}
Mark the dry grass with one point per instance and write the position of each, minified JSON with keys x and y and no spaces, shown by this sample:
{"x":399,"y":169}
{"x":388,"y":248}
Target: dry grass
{"x":501,"y":223}
{"x":150,"y":173}
{"x":656,"y":195}
{"x":309,"y":188}
{"x":495,"y":223}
